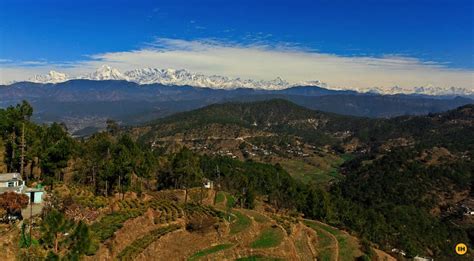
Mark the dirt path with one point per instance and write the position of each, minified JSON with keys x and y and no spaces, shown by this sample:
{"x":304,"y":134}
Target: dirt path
{"x":302,"y":242}
{"x":221,"y":205}
{"x":32,"y":209}
{"x":313,"y":251}
{"x":335,"y":246}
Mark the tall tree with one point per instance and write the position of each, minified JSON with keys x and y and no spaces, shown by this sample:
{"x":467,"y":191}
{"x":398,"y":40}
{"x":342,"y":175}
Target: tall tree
{"x":54,"y":225}
{"x":57,"y":150}
{"x":79,"y":241}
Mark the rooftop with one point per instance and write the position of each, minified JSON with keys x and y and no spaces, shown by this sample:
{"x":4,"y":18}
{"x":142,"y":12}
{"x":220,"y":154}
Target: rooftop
{"x":9,"y":176}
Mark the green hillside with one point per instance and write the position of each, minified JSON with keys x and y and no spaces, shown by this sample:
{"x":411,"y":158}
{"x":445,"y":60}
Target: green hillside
{"x":400,"y":183}
{"x":398,"y":178}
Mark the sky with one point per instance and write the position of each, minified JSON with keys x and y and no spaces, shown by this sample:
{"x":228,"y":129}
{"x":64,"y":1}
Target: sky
{"x":352,"y":43}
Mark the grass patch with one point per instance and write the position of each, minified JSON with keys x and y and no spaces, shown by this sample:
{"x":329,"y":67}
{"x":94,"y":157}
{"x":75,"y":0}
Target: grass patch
{"x":320,"y":169}
{"x":230,"y":201}
{"x":270,"y":237}
{"x":348,"y":246}
{"x":325,"y":242}
{"x":259,"y":218}
{"x":210,"y":250}
{"x":240,"y":223}
{"x":347,"y":157}
{"x":307,"y":173}
{"x":220,"y":197}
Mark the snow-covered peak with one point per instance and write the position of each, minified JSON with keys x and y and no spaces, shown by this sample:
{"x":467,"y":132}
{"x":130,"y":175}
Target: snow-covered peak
{"x":105,"y":72}
{"x":312,"y":83}
{"x":51,"y":77}
{"x":183,"y":77}
{"x":424,"y":90}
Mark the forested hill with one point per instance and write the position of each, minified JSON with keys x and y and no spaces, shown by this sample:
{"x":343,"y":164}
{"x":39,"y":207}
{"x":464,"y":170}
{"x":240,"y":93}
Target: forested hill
{"x":453,"y":129}
{"x":260,"y":113}
{"x":280,"y":116}
{"x":403,"y":183}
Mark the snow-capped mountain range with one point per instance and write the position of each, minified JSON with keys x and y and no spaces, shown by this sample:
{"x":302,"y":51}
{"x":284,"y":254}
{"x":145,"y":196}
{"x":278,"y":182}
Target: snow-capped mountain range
{"x":425,"y":90}
{"x":51,"y":77}
{"x":172,"y":77}
{"x":183,"y":77}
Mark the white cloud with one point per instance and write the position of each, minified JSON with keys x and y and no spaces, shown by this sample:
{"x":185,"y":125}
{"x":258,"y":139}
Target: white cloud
{"x":263,"y":61}
{"x":33,"y":63}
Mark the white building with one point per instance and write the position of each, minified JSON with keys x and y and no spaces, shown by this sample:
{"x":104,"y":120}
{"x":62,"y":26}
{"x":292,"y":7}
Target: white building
{"x":12,"y":182}
{"x":208,"y":184}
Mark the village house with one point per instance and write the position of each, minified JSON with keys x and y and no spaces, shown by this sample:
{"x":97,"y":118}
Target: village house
{"x":14,"y":183}
{"x":209,"y":184}
{"x":11,"y":182}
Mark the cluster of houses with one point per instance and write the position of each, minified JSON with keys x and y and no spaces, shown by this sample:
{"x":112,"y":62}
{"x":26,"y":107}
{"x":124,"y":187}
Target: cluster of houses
{"x":224,"y":153}
{"x":255,"y":150}
{"x":297,"y":151}
{"x":13,"y":182}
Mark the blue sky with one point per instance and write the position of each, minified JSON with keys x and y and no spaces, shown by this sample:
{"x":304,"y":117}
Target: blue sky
{"x":41,"y":33}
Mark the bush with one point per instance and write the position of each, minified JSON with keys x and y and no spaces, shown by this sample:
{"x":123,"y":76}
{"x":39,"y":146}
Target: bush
{"x":200,"y":223}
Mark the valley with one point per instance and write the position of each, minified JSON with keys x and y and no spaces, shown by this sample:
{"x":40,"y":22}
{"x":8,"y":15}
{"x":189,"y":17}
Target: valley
{"x":265,"y":180}
{"x":236,"y":130}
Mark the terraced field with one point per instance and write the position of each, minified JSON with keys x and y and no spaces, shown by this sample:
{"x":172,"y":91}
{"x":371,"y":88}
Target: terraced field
{"x":220,"y":197}
{"x":327,"y":246}
{"x":270,"y":237}
{"x":211,"y":250}
{"x":347,"y":246}
{"x":139,"y":229}
{"x":258,"y":217}
{"x":134,"y":249}
{"x":306,"y":172}
{"x":239,"y":223}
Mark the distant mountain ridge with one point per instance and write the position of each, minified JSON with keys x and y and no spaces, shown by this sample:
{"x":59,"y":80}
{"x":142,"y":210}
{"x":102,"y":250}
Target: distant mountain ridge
{"x":183,"y":77}
{"x":85,"y":103}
